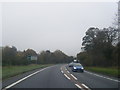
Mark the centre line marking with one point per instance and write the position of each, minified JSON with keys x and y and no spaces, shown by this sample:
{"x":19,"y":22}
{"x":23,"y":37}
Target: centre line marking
{"x":65,"y":69}
{"x":73,"y":76}
{"x":67,"y":76}
{"x":85,"y":86}
{"x":62,"y":71}
{"x":78,"y":86}
{"x":61,"y":68}
{"x":68,"y":71}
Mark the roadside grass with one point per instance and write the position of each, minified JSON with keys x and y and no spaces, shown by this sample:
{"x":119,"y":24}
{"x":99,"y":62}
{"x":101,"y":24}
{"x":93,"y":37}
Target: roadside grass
{"x":9,"y":71}
{"x":0,"y":73}
{"x":111,"y":71}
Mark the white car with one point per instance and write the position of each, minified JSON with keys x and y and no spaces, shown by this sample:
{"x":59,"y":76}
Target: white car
{"x":71,"y":64}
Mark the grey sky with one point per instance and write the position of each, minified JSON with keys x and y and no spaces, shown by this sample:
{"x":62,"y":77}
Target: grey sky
{"x":51,"y":26}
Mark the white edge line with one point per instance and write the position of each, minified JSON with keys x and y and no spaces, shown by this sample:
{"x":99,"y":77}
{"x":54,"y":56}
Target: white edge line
{"x":102,"y":76}
{"x":84,"y":85}
{"x":73,"y":76}
{"x":67,"y":76}
{"x":22,"y":79}
{"x":11,"y":85}
{"x":78,"y":86}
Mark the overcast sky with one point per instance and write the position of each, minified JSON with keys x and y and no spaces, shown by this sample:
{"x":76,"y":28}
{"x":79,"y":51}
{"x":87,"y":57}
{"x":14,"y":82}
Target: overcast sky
{"x":50,"y":26}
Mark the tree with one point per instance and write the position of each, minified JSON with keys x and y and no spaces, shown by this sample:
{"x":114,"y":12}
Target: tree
{"x":53,"y":57}
{"x":30,"y":52}
{"x":27,"y":54}
{"x":98,"y":46}
{"x":9,"y":55}
{"x":88,"y":39}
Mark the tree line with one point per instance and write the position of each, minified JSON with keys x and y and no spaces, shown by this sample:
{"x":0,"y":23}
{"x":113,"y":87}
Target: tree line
{"x":100,"y":47}
{"x":11,"y":56}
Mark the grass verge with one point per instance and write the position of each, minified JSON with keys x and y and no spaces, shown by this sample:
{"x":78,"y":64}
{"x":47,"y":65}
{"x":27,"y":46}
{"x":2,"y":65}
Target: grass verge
{"x":9,"y":71}
{"x":111,"y":71}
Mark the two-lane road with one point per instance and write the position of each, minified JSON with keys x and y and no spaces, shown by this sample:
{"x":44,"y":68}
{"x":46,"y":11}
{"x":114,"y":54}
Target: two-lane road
{"x":61,"y":76}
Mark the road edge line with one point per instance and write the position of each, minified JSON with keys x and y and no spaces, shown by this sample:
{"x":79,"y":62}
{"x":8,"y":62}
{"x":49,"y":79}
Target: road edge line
{"x":102,"y":76}
{"x":20,"y":80}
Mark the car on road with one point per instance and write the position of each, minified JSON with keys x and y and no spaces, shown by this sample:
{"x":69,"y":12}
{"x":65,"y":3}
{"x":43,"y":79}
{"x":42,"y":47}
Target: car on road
{"x":77,"y":68}
{"x":71,"y":64}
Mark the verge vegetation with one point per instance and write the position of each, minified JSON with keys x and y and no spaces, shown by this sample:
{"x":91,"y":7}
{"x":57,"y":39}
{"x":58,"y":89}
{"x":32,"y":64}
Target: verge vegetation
{"x":9,"y":71}
{"x":110,"y":71}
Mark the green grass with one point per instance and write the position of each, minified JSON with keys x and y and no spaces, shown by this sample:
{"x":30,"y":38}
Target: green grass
{"x":9,"y":71}
{"x":0,"y":73}
{"x":111,"y":71}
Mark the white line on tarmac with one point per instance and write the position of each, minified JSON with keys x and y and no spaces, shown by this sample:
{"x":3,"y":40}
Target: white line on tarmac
{"x":61,"y":68}
{"x":67,"y":76}
{"x":102,"y":76}
{"x":85,"y":86}
{"x":65,"y":69}
{"x":78,"y":86}
{"x":61,"y":71}
{"x":68,"y":71}
{"x":73,"y":76}
{"x":13,"y":84}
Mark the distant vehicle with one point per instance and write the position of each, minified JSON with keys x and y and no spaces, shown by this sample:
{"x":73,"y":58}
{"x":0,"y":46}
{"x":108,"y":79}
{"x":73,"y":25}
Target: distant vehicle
{"x":77,"y":67}
{"x":71,"y":64}
{"x":74,"y":62}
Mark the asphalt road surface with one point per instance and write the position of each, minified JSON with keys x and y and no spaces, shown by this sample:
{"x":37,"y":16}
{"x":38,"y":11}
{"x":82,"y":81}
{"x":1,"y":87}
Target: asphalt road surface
{"x":61,"y":76}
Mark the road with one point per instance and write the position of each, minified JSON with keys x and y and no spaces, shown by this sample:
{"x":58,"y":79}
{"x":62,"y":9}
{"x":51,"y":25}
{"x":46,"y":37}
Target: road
{"x":61,"y":76}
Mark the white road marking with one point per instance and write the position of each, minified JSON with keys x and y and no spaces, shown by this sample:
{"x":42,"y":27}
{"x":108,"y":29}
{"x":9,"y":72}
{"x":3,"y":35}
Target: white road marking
{"x":62,"y":71}
{"x":85,"y":86}
{"x":102,"y":76}
{"x":61,"y":68}
{"x":112,"y":79}
{"x":68,"y":71}
{"x":88,"y":72}
{"x":78,"y":86}
{"x":65,"y":69}
{"x":11,"y":85}
{"x":67,"y":76}
{"x":73,"y":76}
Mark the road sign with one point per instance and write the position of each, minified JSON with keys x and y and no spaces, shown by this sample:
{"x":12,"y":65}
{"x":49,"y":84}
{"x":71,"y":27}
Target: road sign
{"x":32,"y":57}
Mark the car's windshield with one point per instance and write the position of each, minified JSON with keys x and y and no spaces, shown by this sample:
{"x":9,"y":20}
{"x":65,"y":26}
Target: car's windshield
{"x":77,"y":64}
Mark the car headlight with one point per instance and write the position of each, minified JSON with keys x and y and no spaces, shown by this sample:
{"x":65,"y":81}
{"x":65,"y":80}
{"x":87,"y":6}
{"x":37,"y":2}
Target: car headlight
{"x":74,"y":67}
{"x":82,"y":68}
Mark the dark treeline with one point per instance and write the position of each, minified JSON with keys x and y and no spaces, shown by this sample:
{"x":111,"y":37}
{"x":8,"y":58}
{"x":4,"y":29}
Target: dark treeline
{"x":101,"y":47}
{"x":10,"y":56}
